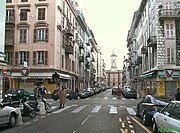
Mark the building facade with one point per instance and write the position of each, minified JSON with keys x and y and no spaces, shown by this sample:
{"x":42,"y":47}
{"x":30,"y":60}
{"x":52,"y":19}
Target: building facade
{"x":3,"y":64}
{"x":153,"y":44}
{"x":51,"y":41}
{"x":114,"y":76}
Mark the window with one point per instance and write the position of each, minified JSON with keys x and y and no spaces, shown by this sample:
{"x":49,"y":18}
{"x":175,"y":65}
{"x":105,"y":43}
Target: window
{"x":175,"y":112}
{"x":23,"y":36}
{"x":167,"y":109}
{"x":73,"y":66}
{"x":42,"y":0}
{"x":62,"y":61}
{"x":10,"y":13}
{"x":24,"y":0}
{"x":9,"y":58}
{"x":41,"y":13}
{"x":170,"y":55}
{"x":23,"y":15}
{"x":8,"y":1}
{"x":169,"y":31}
{"x":40,"y":57}
{"x":22,"y":57}
{"x":41,"y":35}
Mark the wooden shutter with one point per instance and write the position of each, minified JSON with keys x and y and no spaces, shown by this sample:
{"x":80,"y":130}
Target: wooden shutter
{"x":27,"y":58}
{"x":34,"y":57}
{"x":46,"y":57}
{"x":16,"y":58}
{"x":35,"y":36}
{"x":47,"y":35}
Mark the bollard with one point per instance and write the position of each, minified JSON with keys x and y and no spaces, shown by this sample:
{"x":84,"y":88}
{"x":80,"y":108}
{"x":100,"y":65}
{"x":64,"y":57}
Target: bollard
{"x":19,"y":118}
{"x":42,"y":108}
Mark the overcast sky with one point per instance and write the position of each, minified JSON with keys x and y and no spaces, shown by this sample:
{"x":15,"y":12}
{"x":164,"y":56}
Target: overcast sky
{"x":110,"y":21}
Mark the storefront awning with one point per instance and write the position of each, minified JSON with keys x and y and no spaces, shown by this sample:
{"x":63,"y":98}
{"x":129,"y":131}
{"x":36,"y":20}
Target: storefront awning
{"x":147,"y":75}
{"x":175,"y":74}
{"x":62,"y":76}
{"x":33,"y":75}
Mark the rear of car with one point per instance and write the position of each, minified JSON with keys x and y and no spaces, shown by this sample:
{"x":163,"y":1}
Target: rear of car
{"x":168,"y":119}
{"x":114,"y":90}
{"x":128,"y":92}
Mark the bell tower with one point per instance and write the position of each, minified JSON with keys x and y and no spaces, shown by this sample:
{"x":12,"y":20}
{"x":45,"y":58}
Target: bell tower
{"x":113,"y":61}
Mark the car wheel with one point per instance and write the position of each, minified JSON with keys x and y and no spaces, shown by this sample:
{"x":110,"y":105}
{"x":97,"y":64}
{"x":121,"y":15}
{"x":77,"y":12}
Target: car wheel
{"x":12,"y":120}
{"x":78,"y":97}
{"x":155,"y":129}
{"x":144,"y":121}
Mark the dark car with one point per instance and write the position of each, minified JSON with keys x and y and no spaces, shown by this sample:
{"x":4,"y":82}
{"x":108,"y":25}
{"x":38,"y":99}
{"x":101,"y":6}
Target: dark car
{"x":18,"y":93}
{"x":128,"y":92}
{"x":55,"y":95}
{"x":83,"y":93}
{"x":148,"y":106}
{"x":72,"y":95}
{"x":114,"y":90}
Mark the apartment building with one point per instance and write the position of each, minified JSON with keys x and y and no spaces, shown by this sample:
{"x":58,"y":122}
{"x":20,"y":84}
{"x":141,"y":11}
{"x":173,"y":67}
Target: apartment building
{"x":153,"y":44}
{"x":3,"y":64}
{"x":46,"y":42}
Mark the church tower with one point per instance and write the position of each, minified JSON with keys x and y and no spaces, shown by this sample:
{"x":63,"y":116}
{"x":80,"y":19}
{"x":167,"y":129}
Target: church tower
{"x":113,"y":62}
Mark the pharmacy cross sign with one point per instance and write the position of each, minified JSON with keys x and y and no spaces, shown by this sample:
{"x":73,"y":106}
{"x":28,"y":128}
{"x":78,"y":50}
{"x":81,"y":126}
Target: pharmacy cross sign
{"x":169,"y":72}
{"x":24,"y":71}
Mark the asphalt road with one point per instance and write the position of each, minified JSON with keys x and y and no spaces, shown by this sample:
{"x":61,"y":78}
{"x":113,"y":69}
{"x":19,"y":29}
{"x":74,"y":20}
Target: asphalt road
{"x":101,"y":113}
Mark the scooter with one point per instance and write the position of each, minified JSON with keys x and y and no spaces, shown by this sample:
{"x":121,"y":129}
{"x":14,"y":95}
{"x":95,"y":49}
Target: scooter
{"x":26,"y":108}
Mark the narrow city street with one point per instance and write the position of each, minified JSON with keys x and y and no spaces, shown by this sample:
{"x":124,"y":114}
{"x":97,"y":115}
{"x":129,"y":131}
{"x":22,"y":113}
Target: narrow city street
{"x":101,"y":113}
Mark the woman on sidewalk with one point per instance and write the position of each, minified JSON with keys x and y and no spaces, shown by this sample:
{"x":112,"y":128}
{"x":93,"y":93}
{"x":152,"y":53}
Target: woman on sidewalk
{"x":62,"y":97}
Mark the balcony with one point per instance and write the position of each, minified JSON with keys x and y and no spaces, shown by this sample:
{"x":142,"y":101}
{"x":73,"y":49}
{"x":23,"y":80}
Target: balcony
{"x":81,"y":46}
{"x":10,"y":20}
{"x":144,"y":50}
{"x":69,"y":32}
{"x":169,"y":14}
{"x":81,"y":58}
{"x":69,"y":49}
{"x":152,"y":41}
{"x":9,"y":42}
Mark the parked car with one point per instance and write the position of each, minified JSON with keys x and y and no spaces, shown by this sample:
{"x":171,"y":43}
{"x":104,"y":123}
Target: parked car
{"x":148,"y":106}
{"x":72,"y":95}
{"x":83,"y":93}
{"x":18,"y":93}
{"x":8,"y":115}
{"x":55,"y":95}
{"x":128,"y":92}
{"x":114,"y":90}
{"x":89,"y":91}
{"x":168,"y":118}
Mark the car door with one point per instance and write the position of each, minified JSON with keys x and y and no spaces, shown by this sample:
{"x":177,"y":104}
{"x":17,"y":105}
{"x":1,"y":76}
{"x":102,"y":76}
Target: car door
{"x":3,"y":115}
{"x":162,"y":118}
{"x":143,"y":105}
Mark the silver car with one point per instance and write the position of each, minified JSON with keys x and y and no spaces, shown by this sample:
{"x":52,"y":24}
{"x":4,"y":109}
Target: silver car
{"x":168,"y":119}
{"x":8,"y":115}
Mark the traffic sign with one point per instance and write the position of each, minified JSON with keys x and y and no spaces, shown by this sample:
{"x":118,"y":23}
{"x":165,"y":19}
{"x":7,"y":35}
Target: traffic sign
{"x":169,"y":72}
{"x":24,"y":71}
{"x":4,"y":72}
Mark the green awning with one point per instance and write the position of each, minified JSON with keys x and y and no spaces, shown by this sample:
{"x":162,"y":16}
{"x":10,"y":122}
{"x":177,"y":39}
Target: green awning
{"x":147,"y":75}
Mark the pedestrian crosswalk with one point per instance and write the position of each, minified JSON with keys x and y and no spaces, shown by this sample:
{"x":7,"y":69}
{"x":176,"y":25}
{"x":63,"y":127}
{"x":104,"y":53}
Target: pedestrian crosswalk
{"x":113,"y":109}
{"x":106,"y":98}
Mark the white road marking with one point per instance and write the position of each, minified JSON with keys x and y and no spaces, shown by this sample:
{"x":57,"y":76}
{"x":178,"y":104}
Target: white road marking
{"x":79,"y":109}
{"x":96,"y":98}
{"x":130,"y":111}
{"x":114,"y":98}
{"x":60,"y":110}
{"x":123,"y":98}
{"x":53,"y":107}
{"x":106,"y":98}
{"x":86,"y":119}
{"x":113,"y":110}
{"x":96,"y":109}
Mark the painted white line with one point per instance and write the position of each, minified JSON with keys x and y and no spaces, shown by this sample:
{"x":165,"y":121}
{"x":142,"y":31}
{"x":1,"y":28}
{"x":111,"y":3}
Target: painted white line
{"x":130,"y":111}
{"x":106,"y":98}
{"x":131,"y":126}
{"x":114,"y":98}
{"x":96,"y":109}
{"x":123,"y":98}
{"x":123,"y":125}
{"x":27,"y":123}
{"x":132,"y":99}
{"x":60,"y":110}
{"x":120,"y":119}
{"x":74,"y":132}
{"x":35,"y":119}
{"x":53,"y":107}
{"x":79,"y":109}
{"x":86,"y":119}
{"x":113,"y":110}
{"x":96,"y":98}
{"x":74,"y":105}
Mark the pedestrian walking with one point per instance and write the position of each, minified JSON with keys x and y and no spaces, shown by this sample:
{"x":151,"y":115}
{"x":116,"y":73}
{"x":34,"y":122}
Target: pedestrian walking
{"x":42,"y":91}
{"x":119,"y":92}
{"x":177,"y":95}
{"x":35,"y":90}
{"x":62,"y":97}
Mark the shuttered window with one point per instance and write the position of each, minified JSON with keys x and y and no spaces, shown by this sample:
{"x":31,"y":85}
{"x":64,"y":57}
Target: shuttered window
{"x":23,"y":15}
{"x":41,"y":35}
{"x":40,"y":57}
{"x":23,"y":36}
{"x":41,"y":13}
{"x":170,"y":55}
{"x":24,"y":0}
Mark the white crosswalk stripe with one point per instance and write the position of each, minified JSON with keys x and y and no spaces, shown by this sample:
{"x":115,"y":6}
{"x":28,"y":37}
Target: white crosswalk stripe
{"x":96,"y":109}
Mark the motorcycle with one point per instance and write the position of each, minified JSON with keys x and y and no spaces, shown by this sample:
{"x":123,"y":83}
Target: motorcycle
{"x":26,"y":108}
